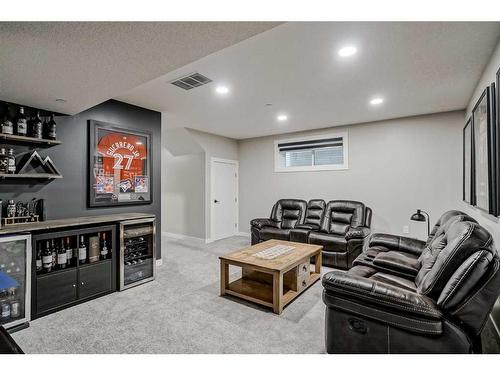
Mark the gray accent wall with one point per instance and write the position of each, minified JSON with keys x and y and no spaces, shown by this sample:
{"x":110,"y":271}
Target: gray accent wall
{"x":67,"y":197}
{"x":395,"y":167}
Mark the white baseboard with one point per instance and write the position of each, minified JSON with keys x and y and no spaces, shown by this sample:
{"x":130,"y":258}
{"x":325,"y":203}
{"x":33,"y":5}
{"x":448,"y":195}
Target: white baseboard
{"x":178,"y":236}
{"x":244,"y":234}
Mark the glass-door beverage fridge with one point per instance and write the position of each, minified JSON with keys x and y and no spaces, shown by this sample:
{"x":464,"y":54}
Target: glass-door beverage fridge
{"x":15,"y":280}
{"x":137,"y":252}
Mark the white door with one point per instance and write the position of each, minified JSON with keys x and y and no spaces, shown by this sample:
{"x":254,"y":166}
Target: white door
{"x":224,"y":198}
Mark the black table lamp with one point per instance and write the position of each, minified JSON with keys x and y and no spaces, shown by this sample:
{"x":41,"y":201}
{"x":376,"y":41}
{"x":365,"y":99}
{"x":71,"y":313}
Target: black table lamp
{"x":418,"y":216}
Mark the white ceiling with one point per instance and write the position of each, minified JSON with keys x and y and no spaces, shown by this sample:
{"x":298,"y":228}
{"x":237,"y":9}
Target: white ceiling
{"x":87,"y":63}
{"x":418,"y":67}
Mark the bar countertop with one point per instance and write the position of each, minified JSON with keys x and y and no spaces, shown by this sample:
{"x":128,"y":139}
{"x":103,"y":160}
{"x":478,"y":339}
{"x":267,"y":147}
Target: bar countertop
{"x":71,"y":222}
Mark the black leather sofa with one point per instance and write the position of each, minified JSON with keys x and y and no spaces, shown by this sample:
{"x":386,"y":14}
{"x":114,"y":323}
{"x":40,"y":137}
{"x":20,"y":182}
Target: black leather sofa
{"x":408,"y":296}
{"x":340,"y":226}
{"x":7,"y":343}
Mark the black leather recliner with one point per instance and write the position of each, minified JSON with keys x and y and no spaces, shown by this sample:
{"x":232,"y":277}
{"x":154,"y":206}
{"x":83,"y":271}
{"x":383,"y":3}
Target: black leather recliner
{"x":285,"y":216}
{"x":441,"y":308}
{"x":344,"y":227}
{"x":339,"y":226}
{"x":7,"y":343}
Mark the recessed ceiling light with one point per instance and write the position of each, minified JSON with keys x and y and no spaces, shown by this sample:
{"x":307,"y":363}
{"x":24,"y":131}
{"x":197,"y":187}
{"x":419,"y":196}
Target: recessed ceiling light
{"x":282,"y":117}
{"x":59,"y":100}
{"x":347,"y":51}
{"x":223,"y":90}
{"x":376,"y":101}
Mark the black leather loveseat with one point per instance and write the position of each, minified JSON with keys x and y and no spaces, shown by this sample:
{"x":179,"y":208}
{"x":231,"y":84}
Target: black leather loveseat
{"x":408,"y":296}
{"x":340,"y":226}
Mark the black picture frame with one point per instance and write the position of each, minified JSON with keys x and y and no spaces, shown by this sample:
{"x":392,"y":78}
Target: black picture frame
{"x":494,"y":173}
{"x":468,"y":163}
{"x":97,"y":168}
{"x":483,"y":140}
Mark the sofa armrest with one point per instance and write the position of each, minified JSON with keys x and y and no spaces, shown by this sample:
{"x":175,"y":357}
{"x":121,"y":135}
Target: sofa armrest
{"x":357,"y":233}
{"x":260,"y":223}
{"x":388,"y":297}
{"x":397,"y":243}
{"x":314,"y":227}
{"x":7,"y":343}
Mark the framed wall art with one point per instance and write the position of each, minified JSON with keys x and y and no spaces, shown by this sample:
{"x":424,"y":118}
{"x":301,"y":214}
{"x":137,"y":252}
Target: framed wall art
{"x":468,"y":161}
{"x":483,"y":153}
{"x":119,"y":165}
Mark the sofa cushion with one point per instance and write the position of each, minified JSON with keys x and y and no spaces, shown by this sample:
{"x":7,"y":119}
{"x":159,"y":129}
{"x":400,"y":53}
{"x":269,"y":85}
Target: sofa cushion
{"x":270,"y":233}
{"x":315,"y":212}
{"x":330,"y":242}
{"x":342,"y":215}
{"x":289,"y":212}
{"x":399,"y":262}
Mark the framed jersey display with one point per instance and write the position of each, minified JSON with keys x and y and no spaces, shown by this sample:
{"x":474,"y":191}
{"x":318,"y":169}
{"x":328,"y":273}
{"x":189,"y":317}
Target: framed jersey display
{"x":119,"y":165}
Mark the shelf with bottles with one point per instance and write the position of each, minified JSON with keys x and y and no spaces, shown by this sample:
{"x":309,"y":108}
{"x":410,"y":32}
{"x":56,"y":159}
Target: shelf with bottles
{"x":61,"y":253}
{"x":27,"y":126}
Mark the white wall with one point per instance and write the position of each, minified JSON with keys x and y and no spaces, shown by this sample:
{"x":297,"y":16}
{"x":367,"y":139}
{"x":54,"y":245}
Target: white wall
{"x":395,"y":167}
{"x":489,"y":75}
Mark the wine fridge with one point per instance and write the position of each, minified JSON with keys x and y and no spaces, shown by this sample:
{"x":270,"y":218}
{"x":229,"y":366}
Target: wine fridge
{"x":137,"y":252}
{"x":15,"y":280}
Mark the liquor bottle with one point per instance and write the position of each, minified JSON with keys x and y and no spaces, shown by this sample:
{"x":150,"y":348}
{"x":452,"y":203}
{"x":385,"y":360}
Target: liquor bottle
{"x":4,"y":161}
{"x":104,"y":248}
{"x":36,"y":127}
{"x":51,"y":128}
{"x":15,"y":305}
{"x":11,"y":207}
{"x":39,"y":259}
{"x":82,"y":251}
{"x":53,"y":251}
{"x":11,"y":162}
{"x":61,"y":257}
{"x":21,"y":123}
{"x":4,"y":306}
{"x":7,"y":127}
{"x":47,"y":259}
{"x":69,"y":253}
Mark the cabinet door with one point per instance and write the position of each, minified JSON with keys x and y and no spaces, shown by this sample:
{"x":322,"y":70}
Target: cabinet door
{"x":94,"y":279}
{"x":55,"y":290}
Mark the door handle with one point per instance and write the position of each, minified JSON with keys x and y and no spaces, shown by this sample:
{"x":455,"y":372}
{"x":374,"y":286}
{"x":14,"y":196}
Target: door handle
{"x":216,"y":201}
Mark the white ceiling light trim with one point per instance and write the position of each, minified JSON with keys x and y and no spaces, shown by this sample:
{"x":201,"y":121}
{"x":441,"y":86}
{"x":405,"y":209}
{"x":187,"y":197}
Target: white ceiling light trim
{"x":347,"y":51}
{"x":222,"y":90}
{"x":282,"y":117}
{"x":377,"y":101}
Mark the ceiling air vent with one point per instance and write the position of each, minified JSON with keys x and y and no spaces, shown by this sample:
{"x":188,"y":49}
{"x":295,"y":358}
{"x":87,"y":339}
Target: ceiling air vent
{"x":191,"y":81}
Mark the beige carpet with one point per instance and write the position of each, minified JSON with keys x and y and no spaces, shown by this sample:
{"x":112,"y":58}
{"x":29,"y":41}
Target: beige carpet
{"x":181,"y":312}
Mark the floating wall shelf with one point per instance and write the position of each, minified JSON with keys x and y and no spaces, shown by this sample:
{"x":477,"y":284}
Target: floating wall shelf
{"x":19,"y":139}
{"x":40,"y":176}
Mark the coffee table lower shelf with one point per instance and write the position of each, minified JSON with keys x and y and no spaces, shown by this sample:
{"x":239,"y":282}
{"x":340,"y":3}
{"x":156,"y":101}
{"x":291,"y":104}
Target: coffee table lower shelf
{"x":262,"y":293}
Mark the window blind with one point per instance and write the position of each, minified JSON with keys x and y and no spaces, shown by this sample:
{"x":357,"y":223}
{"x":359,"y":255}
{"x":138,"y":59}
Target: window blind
{"x":328,"y":151}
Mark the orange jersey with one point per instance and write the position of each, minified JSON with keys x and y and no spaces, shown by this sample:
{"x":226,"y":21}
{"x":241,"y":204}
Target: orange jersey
{"x":123,"y":152}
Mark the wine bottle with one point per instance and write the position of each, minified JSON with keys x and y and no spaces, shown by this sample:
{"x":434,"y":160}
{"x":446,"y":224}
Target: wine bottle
{"x":4,"y":161}
{"x":104,"y":248}
{"x":53,"y":251}
{"x":11,"y":162}
{"x":47,"y":259}
{"x":69,"y":253}
{"x":61,"y":257}
{"x":7,"y":127}
{"x":36,"y":127}
{"x":15,"y":305}
{"x":82,"y":251}
{"x":51,"y":128}
{"x":21,"y":123}
{"x":39,"y":259}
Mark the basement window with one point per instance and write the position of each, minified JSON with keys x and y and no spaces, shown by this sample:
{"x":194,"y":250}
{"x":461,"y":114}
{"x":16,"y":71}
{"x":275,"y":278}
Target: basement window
{"x":315,"y":153}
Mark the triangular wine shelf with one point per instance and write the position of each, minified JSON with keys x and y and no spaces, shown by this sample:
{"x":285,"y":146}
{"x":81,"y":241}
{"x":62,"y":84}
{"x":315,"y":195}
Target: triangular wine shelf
{"x":47,"y":165}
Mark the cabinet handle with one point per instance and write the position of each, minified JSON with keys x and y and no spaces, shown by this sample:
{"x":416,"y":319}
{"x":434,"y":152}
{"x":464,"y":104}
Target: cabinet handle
{"x":304,"y":268}
{"x":304,"y":283}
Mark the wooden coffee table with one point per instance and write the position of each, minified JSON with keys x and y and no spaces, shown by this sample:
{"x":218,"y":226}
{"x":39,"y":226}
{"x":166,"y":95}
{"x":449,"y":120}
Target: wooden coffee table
{"x":271,"y":282}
